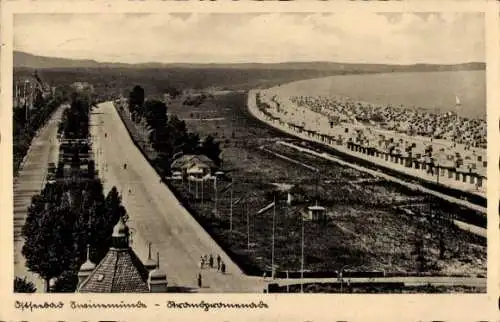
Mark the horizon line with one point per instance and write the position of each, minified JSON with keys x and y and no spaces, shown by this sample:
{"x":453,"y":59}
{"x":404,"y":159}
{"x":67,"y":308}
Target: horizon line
{"x":251,"y":62}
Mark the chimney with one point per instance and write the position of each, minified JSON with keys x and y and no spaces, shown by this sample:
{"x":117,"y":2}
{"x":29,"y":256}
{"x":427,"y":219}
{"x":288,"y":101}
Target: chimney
{"x":157,"y":280}
{"x":150,"y":264}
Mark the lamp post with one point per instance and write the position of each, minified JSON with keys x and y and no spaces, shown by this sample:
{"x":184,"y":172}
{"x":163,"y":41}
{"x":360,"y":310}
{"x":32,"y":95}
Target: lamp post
{"x":341,"y":278}
{"x":272,"y":250}
{"x":302,"y":259}
{"x":231,"y":209}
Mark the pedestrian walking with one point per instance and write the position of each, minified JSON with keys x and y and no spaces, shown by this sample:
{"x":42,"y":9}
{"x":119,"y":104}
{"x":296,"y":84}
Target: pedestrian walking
{"x":202,"y":262}
{"x":199,"y":280}
{"x":218,"y":260}
{"x":211,"y":261}
{"x":223,"y":268}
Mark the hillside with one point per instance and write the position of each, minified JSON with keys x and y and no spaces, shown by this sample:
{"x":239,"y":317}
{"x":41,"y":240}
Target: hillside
{"x":26,"y":60}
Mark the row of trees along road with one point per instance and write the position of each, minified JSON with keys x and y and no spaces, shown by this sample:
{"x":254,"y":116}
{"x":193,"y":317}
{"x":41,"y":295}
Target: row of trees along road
{"x":25,"y":125}
{"x":68,"y":215}
{"x":169,"y":135}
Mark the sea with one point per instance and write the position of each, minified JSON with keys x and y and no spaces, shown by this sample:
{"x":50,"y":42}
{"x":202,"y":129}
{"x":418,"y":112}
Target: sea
{"x":429,"y":90}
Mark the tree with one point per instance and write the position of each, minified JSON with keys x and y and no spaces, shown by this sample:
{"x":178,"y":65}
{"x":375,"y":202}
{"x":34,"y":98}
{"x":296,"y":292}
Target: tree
{"x":38,"y":100}
{"x":66,"y":282}
{"x":172,"y":91}
{"x":48,"y":246}
{"x":91,"y":169}
{"x":104,"y":217}
{"x":155,"y":112}
{"x":136,"y":100}
{"x":211,"y":149}
{"x":60,"y":170}
{"x":21,"y":285}
{"x":191,"y":146}
{"x":177,"y":131}
{"x":75,"y":160}
{"x":113,"y":200}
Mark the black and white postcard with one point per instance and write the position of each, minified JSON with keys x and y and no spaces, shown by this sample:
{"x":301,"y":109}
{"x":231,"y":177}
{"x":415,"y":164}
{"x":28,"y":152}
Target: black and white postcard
{"x":275,"y":161}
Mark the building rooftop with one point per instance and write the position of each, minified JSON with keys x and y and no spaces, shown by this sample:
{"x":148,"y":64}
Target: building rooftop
{"x":190,"y":160}
{"x":120,"y":271}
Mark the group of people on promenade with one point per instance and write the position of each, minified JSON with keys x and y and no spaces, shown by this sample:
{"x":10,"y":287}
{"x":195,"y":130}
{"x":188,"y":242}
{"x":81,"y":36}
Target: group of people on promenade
{"x":426,"y":123}
{"x":208,"y":261}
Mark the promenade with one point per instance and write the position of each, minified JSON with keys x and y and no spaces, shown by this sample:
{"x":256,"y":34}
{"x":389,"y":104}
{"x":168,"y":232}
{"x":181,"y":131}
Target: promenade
{"x":155,"y":214}
{"x":30,"y":182}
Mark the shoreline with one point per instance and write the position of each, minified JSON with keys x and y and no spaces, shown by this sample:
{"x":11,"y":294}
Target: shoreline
{"x":257,"y":113}
{"x":375,"y":102}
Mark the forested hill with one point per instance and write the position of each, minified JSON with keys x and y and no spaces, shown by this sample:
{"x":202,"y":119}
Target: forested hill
{"x":22,"y":59}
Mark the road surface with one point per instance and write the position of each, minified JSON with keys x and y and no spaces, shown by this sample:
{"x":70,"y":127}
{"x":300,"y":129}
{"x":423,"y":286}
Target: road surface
{"x":156,"y":216}
{"x":29,"y":182}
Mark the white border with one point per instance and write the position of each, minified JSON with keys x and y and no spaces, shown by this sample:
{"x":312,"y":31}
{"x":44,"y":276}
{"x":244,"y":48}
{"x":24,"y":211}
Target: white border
{"x":284,"y":307}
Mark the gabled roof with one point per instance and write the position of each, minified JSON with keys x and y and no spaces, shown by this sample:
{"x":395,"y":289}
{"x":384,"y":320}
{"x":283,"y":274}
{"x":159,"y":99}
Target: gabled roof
{"x":190,"y":160}
{"x":120,"y":271}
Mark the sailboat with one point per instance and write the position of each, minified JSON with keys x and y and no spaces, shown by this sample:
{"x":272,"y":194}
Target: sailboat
{"x":457,"y":102}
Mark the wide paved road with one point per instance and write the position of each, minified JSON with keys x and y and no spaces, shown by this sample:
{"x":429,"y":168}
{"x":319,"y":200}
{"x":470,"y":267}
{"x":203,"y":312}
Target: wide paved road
{"x":29,"y":182}
{"x":156,"y":215}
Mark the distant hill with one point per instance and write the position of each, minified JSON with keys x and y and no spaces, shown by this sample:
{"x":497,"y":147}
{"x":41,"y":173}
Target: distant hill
{"x":26,"y":60}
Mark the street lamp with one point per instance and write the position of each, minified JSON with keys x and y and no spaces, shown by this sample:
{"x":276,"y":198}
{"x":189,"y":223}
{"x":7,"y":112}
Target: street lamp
{"x":341,"y":277}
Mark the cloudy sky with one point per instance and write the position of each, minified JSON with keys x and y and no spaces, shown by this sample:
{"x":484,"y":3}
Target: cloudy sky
{"x":229,"y":38}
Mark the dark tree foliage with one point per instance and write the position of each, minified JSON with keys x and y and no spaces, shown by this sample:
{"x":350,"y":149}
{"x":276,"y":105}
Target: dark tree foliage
{"x":70,"y":214}
{"x":155,"y":113}
{"x":91,"y":169}
{"x":76,"y":118}
{"x":136,"y":100}
{"x":21,"y":285}
{"x":25,"y":124}
{"x":170,"y":136}
{"x":211,"y":149}
{"x":172,"y":91}
{"x":177,"y":131}
{"x":192,"y":144}
{"x":49,"y":244}
{"x":66,"y":283}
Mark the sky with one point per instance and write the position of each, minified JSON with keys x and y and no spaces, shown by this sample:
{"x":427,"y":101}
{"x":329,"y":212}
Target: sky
{"x":355,"y":37}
